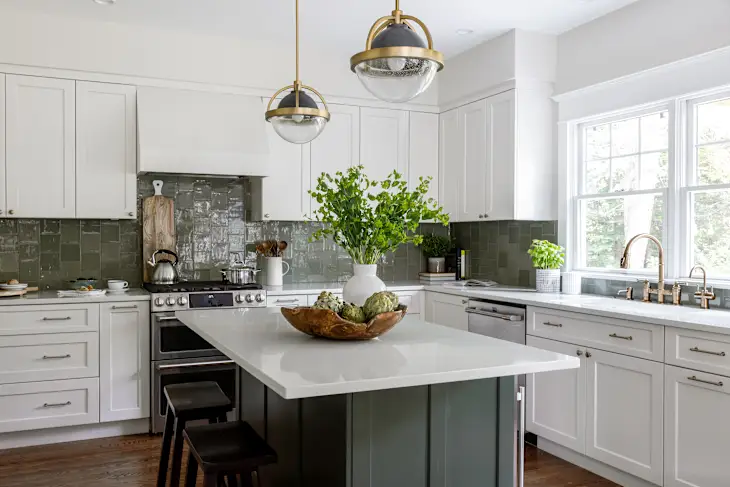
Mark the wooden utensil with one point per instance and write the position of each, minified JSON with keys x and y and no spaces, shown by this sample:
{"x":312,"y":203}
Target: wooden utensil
{"x":22,"y":292}
{"x":282,"y":247}
{"x":158,"y":227}
{"x":267,"y":245}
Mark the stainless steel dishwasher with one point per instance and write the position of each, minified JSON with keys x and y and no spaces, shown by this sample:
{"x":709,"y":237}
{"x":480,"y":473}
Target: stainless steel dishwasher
{"x":505,"y":322}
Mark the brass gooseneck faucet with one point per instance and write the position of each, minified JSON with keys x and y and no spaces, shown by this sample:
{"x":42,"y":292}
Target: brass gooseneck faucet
{"x":676,"y":291}
{"x":705,"y":296}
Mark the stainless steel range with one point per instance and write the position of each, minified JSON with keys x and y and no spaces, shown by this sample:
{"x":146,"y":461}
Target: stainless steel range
{"x":181,"y":355}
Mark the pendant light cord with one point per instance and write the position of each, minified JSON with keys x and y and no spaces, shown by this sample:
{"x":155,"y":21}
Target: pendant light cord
{"x":297,"y":82}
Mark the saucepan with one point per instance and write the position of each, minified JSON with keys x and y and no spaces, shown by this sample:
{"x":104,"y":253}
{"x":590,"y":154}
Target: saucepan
{"x":240,"y":275}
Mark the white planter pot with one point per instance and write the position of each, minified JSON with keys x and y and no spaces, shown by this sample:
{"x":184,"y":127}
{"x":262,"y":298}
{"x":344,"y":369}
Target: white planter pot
{"x":363,"y":284}
{"x":548,"y":280}
{"x":436,"y":264}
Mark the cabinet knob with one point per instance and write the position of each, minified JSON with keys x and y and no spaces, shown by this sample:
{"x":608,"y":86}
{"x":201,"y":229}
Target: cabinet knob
{"x":12,"y":212}
{"x":1,"y":212}
{"x":464,"y":301}
{"x":267,"y":215}
{"x":589,"y":354}
{"x":486,"y":216}
{"x":130,"y":213}
{"x":579,"y":353}
{"x":481,"y":216}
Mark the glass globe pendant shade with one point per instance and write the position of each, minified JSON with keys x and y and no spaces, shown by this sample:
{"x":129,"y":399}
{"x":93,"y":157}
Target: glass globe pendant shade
{"x":298,"y":124}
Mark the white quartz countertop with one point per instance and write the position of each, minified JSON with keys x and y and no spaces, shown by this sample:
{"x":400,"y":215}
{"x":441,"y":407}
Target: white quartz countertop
{"x":689,"y":317}
{"x":51,"y":297}
{"x":414,"y":353}
{"x":334,"y":287}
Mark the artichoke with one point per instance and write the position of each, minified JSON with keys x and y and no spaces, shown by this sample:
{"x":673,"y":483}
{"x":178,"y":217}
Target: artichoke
{"x":378,"y":303}
{"x":393,"y":298}
{"x":354,"y":313}
{"x":327,"y":300}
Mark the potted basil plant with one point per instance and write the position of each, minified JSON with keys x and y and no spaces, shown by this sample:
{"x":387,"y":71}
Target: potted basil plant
{"x":547,"y":258}
{"x":370,"y":218}
{"x":435,"y":248}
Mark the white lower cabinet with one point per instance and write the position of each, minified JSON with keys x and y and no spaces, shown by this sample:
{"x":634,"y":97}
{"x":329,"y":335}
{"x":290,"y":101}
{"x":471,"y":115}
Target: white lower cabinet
{"x":697,"y":429}
{"x":556,"y":401}
{"x":124,"y":368}
{"x":624,"y":413}
{"x":447,"y":310}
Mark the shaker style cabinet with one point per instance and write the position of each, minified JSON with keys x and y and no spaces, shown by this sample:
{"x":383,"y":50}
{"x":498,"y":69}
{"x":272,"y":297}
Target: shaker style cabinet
{"x":423,"y":151}
{"x":447,"y":310}
{"x":106,"y":150}
{"x":383,"y":142}
{"x":450,"y":162}
{"x":124,"y":367}
{"x":697,"y":429}
{"x":3,"y":209}
{"x":40,"y":165}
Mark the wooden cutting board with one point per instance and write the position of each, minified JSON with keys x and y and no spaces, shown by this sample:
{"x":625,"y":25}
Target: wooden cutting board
{"x":8,"y":294}
{"x":158,"y":226}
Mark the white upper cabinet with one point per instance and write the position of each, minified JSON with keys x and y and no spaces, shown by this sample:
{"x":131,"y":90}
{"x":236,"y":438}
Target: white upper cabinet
{"x":450,"y":162}
{"x":475,"y":170}
{"x":423,"y":151}
{"x":338,"y":147}
{"x":383,"y":142}
{"x":501,"y":181}
{"x":40,"y":147}
{"x":2,"y":146}
{"x":283,"y":195}
{"x":106,"y":151}
{"x":697,"y":429}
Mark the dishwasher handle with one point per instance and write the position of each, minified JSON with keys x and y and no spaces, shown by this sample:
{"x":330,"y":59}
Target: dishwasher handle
{"x":494,"y":314}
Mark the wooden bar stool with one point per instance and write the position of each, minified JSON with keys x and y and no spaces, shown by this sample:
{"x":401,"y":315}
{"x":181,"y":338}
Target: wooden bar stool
{"x":226,"y":449}
{"x":188,"y":402}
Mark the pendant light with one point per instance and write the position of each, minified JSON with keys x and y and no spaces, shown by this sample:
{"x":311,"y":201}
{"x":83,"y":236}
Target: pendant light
{"x":298,"y":119}
{"x":396,"y":65}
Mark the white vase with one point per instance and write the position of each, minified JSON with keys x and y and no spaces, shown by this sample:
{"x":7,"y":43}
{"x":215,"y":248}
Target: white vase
{"x":363,"y":284}
{"x":547,"y":280}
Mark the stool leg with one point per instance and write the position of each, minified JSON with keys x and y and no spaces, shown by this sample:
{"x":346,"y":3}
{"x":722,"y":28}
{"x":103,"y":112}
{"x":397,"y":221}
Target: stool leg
{"x":165,"y":453}
{"x":177,"y":451}
{"x":232,"y":480}
{"x":192,"y":472}
{"x":255,"y":482}
{"x":210,"y":480}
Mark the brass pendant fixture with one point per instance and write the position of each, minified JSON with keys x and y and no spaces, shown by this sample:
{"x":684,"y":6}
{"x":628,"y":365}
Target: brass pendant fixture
{"x":298,"y":119}
{"x":396,"y":65}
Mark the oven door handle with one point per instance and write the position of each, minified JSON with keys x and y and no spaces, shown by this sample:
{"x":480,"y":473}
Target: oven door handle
{"x":166,"y":318}
{"x":494,"y":314}
{"x":195,"y":364}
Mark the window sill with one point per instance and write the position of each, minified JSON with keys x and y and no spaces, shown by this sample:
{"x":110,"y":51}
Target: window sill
{"x":652,"y":278}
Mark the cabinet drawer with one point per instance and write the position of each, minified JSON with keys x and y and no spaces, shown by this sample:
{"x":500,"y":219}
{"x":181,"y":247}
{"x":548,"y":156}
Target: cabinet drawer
{"x":699,"y":350}
{"x":289,"y":300}
{"x":412,"y":299}
{"x":50,"y":404}
{"x":31,"y":358}
{"x":627,"y":337}
{"x":30,"y":320}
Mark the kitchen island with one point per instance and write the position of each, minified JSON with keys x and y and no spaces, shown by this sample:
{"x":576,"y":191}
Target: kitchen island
{"x":423,"y":405}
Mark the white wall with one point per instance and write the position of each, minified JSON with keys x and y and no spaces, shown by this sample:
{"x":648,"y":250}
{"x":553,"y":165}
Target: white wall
{"x":32,"y":39}
{"x":641,"y":36}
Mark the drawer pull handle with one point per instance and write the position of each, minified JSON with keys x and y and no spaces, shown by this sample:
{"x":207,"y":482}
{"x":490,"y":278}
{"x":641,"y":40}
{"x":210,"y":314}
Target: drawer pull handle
{"x":694,"y":378}
{"x":556,"y":325}
{"x":125,"y":307}
{"x":709,"y":352}
{"x":613,"y":335}
{"x":56,"y":404}
{"x":287,"y":300}
{"x":54,"y":357}
{"x":65,"y":318}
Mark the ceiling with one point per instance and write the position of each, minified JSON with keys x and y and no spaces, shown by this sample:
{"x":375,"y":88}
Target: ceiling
{"x":342,"y":24}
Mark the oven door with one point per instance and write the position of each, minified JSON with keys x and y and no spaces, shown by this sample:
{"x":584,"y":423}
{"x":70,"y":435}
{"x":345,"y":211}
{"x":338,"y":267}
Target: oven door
{"x":171,"y":339}
{"x":217,"y":369}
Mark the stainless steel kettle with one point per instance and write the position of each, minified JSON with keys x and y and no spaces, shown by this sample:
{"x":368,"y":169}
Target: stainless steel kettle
{"x":164,"y":270}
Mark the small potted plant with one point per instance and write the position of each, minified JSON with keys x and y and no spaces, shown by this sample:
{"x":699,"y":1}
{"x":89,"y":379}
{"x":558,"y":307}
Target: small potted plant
{"x":547,"y":258}
{"x":436,"y":247}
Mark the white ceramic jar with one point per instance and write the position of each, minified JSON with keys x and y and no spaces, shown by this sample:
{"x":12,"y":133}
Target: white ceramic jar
{"x":363,"y":284}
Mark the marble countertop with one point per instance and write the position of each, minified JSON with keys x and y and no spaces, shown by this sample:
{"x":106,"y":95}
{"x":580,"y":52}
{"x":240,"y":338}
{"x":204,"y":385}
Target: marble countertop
{"x":51,"y":297}
{"x":334,"y":287}
{"x":414,"y":353}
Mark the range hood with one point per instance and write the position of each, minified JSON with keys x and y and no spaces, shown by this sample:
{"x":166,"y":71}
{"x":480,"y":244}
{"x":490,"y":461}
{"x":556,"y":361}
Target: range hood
{"x":195,"y":132}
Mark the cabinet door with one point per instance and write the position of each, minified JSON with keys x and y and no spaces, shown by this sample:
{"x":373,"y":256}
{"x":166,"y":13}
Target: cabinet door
{"x":423,"y":150}
{"x":450,"y":162}
{"x":40,"y":151}
{"x":697,"y":429}
{"x":106,"y":151}
{"x":383,"y":142}
{"x":2,"y":146}
{"x":124,"y":367}
{"x":283,"y":195}
{"x":556,"y":401}
{"x":624,"y":420}
{"x":499,"y":192}
{"x":447,"y":310}
{"x":338,"y":146}
{"x":475,"y":192}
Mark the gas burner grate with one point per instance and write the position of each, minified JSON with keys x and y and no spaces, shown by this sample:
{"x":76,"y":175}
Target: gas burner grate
{"x":199,"y":286}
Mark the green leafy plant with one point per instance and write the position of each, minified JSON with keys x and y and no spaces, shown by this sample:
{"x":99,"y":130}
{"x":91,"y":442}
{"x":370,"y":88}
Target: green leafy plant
{"x":436,"y":245}
{"x":546,"y":255}
{"x":369,"y":218}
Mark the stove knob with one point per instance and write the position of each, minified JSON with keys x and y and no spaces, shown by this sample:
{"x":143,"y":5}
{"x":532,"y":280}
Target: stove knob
{"x":260,"y":298}
{"x":239,"y":298}
{"x":249,"y":298}
{"x":170,"y":301}
{"x":159,"y":301}
{"x":182,"y":301}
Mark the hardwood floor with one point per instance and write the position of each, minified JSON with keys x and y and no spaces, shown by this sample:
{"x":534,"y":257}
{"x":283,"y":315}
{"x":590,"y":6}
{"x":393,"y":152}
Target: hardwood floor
{"x":131,"y":461}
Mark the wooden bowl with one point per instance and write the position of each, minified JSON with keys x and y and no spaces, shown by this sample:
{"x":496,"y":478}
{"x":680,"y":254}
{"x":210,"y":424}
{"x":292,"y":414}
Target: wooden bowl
{"x":326,"y":323}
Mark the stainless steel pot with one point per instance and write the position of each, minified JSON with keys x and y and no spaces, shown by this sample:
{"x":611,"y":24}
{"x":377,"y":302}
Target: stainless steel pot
{"x":240,"y":275}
